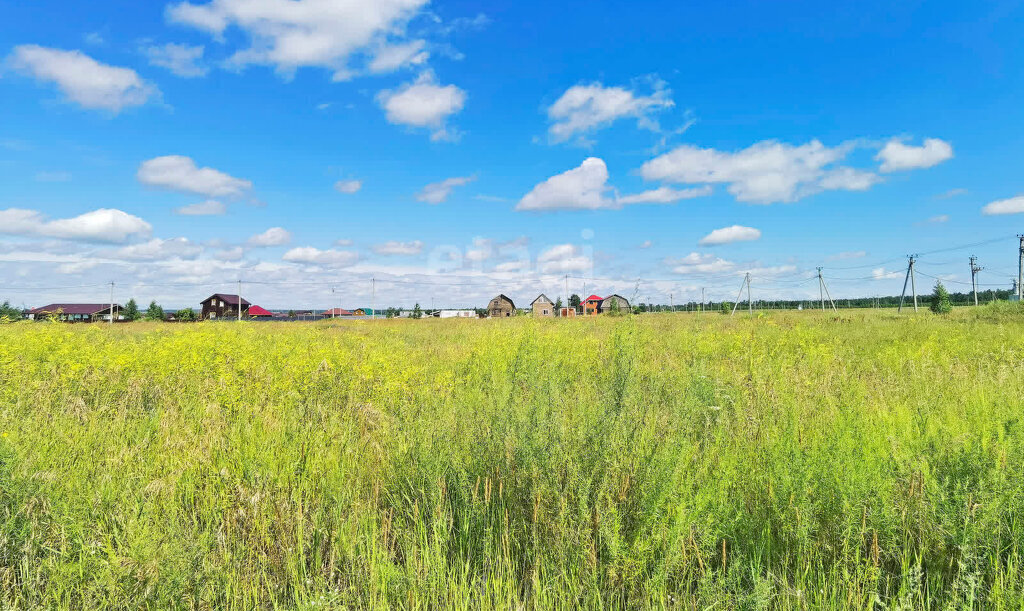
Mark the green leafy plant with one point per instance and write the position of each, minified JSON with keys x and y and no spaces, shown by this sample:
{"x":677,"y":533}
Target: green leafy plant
{"x":940,"y":300}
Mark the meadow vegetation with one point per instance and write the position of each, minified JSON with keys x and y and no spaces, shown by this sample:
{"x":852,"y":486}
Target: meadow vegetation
{"x":791,"y":460}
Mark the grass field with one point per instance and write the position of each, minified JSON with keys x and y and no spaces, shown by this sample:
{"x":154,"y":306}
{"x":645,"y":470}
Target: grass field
{"x":795,"y":460}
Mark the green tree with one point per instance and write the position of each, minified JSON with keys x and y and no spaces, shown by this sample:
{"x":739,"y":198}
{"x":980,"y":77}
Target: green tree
{"x":726,"y":307}
{"x":558,"y":306}
{"x":940,"y":300}
{"x":131,"y":311}
{"x":574,"y":302}
{"x":417,"y":312}
{"x":9,"y":313}
{"x":613,"y":308}
{"x":186,"y":315}
{"x":154,"y":312}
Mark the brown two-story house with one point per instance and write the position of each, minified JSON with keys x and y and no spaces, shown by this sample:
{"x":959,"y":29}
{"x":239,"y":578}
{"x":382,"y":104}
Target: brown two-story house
{"x":221,"y":305}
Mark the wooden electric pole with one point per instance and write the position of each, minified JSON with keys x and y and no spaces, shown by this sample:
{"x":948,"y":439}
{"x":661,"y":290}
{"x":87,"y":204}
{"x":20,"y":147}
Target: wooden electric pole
{"x":974,"y":277}
{"x":913,"y":285}
{"x":823,"y":292}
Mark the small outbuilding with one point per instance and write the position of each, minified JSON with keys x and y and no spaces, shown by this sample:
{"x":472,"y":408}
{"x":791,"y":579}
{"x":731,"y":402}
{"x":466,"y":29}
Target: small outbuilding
{"x":543,"y":307}
{"x":501,"y":307}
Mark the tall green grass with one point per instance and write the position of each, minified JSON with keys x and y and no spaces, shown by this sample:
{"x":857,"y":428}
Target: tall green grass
{"x":797,"y":460}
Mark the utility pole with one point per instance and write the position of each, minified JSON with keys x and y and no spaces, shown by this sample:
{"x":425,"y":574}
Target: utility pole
{"x":750,"y":304}
{"x":702,"y":299}
{"x":567,"y":297}
{"x":913,"y":285}
{"x":373,"y":298}
{"x":334,"y":308}
{"x":823,"y":287}
{"x":1020,"y":266}
{"x":671,"y":303}
{"x":111,"y":302}
{"x":239,"y":300}
{"x":750,"y":301}
{"x":974,"y":277}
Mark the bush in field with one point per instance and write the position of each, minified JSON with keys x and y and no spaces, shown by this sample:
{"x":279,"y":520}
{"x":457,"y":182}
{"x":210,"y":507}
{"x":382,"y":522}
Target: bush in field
{"x":186,"y":315}
{"x":940,"y":300}
{"x":726,"y":307}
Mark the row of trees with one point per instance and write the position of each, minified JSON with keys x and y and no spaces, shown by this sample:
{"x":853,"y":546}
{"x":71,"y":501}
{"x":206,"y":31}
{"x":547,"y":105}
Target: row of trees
{"x":132,"y":313}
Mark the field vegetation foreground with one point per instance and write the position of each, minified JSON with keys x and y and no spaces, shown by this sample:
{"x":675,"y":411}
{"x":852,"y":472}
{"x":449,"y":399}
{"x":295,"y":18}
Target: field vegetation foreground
{"x":794,"y":460}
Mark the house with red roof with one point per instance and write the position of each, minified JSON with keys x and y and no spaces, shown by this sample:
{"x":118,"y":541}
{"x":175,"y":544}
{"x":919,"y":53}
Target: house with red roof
{"x":256,"y":311}
{"x":592,"y":305}
{"x":335,"y":312}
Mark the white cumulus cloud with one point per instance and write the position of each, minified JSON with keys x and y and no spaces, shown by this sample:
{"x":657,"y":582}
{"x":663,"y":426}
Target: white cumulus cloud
{"x":586,"y":188}
{"x":82,"y":79}
{"x":579,"y":188}
{"x":103,"y":225}
{"x":586,"y":108}
{"x":423,"y":103}
{"x":563,"y":258}
{"x":328,"y":258}
{"x":180,"y":173}
{"x":896,"y":156}
{"x":292,"y":34}
{"x":1012,"y":205}
{"x":700,"y":263}
{"x":764,"y":173}
{"x":437,"y":192}
{"x":182,"y":60}
{"x":728,"y":235}
{"x":275,"y":236}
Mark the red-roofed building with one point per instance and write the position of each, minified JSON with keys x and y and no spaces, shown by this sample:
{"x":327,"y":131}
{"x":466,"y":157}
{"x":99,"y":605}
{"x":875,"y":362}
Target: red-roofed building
{"x":334,"y":312}
{"x":592,"y":305}
{"x":256,"y":311}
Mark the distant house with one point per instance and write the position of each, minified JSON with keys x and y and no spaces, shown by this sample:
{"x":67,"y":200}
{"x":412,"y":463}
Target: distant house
{"x":501,"y":307}
{"x":362,"y":312}
{"x":221,"y":305}
{"x":75,"y":312}
{"x":622,"y":304}
{"x":335,"y":312}
{"x":567,"y":312}
{"x":256,"y":311}
{"x":592,"y":305}
{"x":543,"y":307}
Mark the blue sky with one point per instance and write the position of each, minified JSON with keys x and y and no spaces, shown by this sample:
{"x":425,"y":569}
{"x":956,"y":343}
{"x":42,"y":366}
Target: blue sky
{"x":452,"y":150}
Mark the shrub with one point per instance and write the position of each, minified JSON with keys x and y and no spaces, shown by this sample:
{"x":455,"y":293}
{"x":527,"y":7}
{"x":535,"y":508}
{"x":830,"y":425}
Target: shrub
{"x":940,"y":300}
